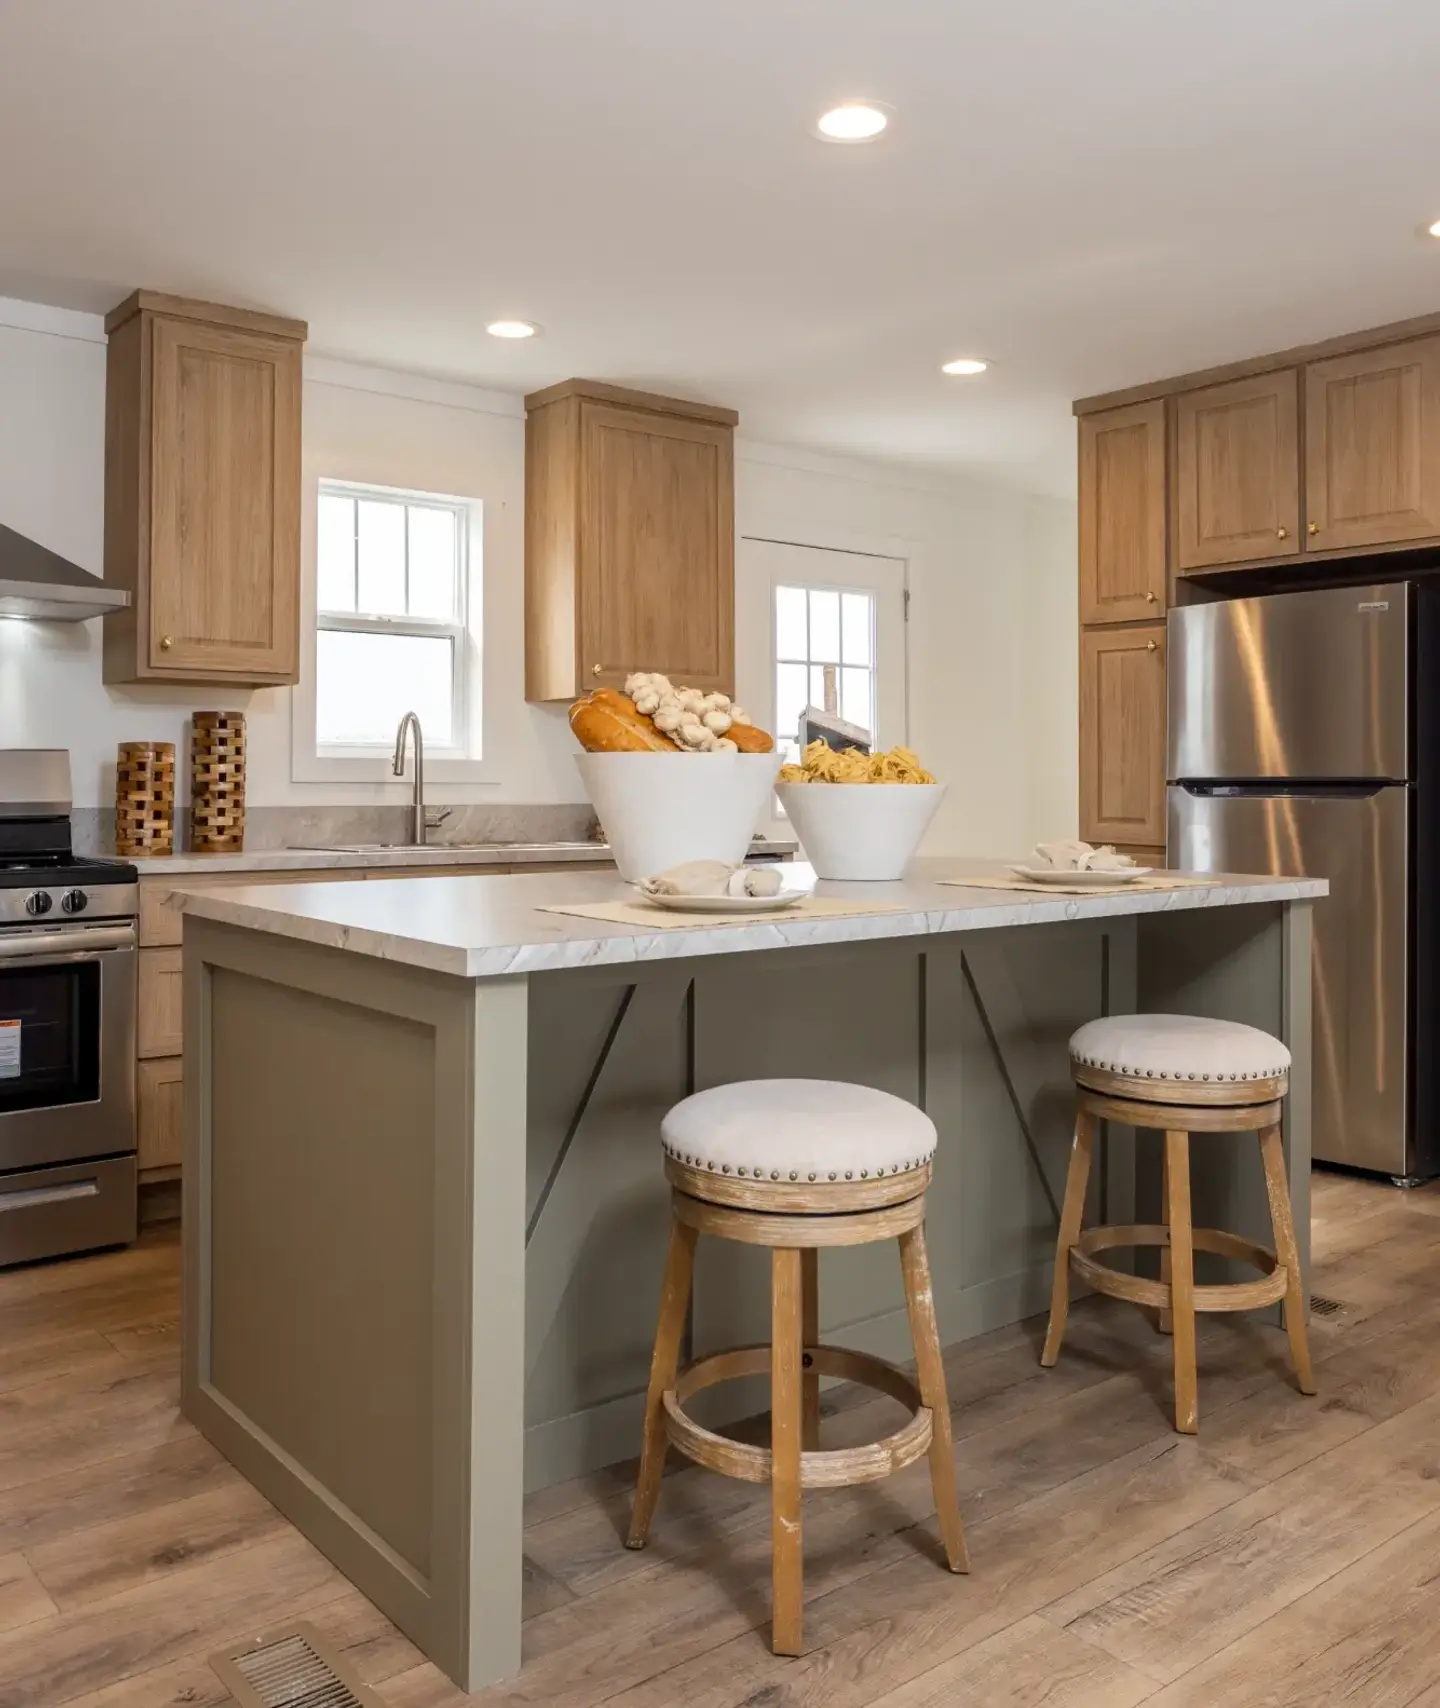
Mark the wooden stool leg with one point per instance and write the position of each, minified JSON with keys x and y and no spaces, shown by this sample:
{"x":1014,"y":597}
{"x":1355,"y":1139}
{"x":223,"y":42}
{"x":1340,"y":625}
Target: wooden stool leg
{"x":786,"y":1558}
{"x":930,"y":1367}
{"x":664,"y":1360}
{"x":1278,"y":1190}
{"x":1163,"y":1320}
{"x":810,"y":1330}
{"x":1072,"y":1214}
{"x":1182,"y":1280}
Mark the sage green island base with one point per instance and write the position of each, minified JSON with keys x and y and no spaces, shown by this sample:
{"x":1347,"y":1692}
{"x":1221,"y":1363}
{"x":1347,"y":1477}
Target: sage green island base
{"x":425,"y":1218}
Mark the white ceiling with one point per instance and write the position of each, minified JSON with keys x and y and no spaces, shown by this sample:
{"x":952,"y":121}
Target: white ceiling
{"x":1088,"y":194}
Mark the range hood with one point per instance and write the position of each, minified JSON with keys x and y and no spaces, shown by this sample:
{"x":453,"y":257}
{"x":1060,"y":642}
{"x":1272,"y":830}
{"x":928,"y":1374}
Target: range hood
{"x":35,"y":582}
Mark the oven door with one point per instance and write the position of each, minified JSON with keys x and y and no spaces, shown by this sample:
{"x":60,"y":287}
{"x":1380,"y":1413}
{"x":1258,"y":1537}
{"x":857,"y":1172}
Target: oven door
{"x":67,"y":1043}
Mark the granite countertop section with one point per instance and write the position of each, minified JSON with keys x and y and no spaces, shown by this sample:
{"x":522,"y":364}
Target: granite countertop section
{"x":438,"y":854}
{"x":486,"y":930}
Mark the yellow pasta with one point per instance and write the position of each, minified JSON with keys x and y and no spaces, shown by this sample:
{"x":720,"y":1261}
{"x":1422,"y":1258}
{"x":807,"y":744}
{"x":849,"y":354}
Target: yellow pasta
{"x":820,"y":763}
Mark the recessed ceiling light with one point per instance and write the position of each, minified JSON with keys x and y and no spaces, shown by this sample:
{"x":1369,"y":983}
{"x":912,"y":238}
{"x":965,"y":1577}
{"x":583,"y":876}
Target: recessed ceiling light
{"x":852,"y":121}
{"x":965,"y":365}
{"x":512,"y":328}
{"x":1434,"y":228}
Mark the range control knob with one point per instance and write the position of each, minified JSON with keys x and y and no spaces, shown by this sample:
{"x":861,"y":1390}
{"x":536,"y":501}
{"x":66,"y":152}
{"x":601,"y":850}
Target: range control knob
{"x":74,"y":901}
{"x":38,"y":902}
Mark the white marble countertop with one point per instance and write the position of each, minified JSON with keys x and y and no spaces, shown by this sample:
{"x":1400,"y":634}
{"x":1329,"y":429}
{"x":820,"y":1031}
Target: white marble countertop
{"x":432,"y":854}
{"x":476,"y":928}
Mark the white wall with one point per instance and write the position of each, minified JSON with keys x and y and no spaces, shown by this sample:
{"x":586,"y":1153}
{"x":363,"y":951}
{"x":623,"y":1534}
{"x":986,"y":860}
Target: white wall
{"x":992,"y":633}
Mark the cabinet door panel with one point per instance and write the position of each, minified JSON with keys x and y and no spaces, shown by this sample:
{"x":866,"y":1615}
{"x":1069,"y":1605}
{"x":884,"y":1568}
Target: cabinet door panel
{"x":160,"y":1003}
{"x":159,"y":1087}
{"x":1372,"y":431}
{"x":1237,"y":474}
{"x":1122,"y":514}
{"x":657,"y":585}
{"x":1122,"y":735}
{"x":224,"y":502}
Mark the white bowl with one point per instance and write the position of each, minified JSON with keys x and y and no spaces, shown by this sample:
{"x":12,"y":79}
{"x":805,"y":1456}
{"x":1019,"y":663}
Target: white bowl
{"x":661,"y":809}
{"x":860,"y":830}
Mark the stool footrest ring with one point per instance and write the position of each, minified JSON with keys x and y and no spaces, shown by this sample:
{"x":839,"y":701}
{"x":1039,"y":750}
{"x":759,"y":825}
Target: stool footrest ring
{"x":1139,"y":1290}
{"x":834,"y":1469}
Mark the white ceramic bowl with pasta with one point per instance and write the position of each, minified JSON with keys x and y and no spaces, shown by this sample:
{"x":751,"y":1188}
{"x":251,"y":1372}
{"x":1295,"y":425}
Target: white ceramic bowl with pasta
{"x":860,"y":830}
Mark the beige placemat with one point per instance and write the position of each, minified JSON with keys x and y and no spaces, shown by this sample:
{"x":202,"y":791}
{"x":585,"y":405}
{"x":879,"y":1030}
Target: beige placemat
{"x":662,"y":919}
{"x":1166,"y":883}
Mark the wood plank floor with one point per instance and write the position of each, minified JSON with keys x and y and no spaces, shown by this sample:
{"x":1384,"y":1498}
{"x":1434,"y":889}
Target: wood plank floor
{"x":1289,"y":1557}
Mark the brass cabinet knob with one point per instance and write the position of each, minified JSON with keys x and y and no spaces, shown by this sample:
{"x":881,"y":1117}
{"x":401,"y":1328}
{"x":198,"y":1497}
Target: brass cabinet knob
{"x":1282,"y":533}
{"x":1149,"y":598}
{"x":1312,"y":528}
{"x":166,"y":642}
{"x":1152,"y":646}
{"x":596,"y":670}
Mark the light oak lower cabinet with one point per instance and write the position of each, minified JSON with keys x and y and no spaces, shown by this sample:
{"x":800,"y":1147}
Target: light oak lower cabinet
{"x":157,"y":1099}
{"x":1122,"y":735}
{"x":160,"y":1006}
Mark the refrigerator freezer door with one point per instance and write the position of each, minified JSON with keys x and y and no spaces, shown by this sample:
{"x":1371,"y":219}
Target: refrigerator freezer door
{"x":1360,"y":843}
{"x":1305,"y":685}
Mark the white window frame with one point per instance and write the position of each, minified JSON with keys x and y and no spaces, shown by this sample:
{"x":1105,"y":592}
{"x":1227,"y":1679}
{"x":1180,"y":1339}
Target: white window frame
{"x":872,"y":669}
{"x":456,"y":761}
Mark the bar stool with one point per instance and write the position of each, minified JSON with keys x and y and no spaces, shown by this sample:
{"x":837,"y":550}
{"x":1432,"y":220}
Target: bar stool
{"x":1180,"y":1075}
{"x":797,"y":1164}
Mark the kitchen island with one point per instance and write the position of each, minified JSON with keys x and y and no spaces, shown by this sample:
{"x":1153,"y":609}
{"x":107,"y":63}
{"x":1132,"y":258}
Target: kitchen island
{"x":425,"y":1216}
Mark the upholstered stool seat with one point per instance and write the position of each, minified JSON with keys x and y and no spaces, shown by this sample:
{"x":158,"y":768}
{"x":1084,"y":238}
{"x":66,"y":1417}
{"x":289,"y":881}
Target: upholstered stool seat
{"x":797,"y":1164}
{"x":1180,"y":1074}
{"x":1177,"y":1052}
{"x":810,"y":1130}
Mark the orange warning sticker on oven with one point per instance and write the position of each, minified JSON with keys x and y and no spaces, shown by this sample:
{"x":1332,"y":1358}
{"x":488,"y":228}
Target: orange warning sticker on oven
{"x":9,"y":1049}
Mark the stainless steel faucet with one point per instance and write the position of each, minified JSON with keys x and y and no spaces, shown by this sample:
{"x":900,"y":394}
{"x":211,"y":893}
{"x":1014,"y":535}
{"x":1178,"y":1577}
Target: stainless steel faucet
{"x":417,"y":825}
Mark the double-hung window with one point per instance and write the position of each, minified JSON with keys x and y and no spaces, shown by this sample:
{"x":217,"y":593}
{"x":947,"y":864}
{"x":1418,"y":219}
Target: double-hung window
{"x":391,"y":595}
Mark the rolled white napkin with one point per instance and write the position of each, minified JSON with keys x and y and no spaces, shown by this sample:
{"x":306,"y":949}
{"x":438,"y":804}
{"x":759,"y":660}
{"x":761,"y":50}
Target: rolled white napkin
{"x":713,"y":878}
{"x":1070,"y":855}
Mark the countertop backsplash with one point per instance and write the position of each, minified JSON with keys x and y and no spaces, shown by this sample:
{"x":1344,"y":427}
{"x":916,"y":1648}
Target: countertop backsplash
{"x":324,"y":826}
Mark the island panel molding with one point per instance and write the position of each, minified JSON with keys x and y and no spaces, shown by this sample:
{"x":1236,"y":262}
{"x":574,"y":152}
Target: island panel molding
{"x":395,"y":1251}
{"x":629,"y":540}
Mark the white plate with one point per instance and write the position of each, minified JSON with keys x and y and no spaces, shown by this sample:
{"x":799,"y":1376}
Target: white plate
{"x":1052,"y":875}
{"x":730,"y":904}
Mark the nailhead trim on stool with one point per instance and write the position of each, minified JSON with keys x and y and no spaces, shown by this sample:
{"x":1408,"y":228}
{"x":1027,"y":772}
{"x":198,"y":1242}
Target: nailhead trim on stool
{"x":1179,"y":1047}
{"x":811,"y":1130}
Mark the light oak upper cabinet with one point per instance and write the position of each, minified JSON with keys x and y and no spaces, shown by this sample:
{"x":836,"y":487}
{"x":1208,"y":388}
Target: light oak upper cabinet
{"x":1122,"y":514}
{"x":1237,"y":471}
{"x":629,"y":540}
{"x":1372,"y":437}
{"x":202,"y":492}
{"x":1122,"y":735}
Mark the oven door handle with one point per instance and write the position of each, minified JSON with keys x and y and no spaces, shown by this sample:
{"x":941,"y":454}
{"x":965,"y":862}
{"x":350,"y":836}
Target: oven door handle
{"x":59,"y":948}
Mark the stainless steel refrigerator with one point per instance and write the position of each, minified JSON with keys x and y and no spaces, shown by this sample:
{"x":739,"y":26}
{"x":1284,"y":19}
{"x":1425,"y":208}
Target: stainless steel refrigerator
{"x":1297,"y":743}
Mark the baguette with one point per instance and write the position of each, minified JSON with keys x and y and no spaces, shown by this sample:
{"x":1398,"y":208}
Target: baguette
{"x":608,"y":722}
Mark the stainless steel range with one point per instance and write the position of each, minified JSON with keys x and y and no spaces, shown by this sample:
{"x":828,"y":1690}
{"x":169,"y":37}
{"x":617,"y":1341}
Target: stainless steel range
{"x":67,"y":1023}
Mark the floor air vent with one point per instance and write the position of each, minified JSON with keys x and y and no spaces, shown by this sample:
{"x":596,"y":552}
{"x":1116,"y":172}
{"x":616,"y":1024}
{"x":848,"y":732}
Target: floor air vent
{"x":1321,"y":1306}
{"x":296,"y":1668}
